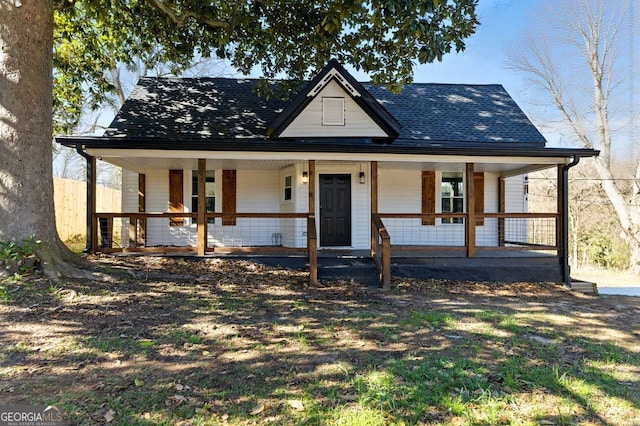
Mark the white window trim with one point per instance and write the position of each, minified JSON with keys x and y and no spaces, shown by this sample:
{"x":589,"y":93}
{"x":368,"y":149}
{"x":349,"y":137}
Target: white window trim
{"x":284,"y":187}
{"x":189,"y":190}
{"x":439,"y":196}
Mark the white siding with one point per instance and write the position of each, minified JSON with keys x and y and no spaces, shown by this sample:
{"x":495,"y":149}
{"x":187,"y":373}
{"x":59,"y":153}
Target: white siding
{"x":516,"y":202}
{"x":293,"y":231}
{"x":158,"y":230}
{"x":309,"y":122}
{"x":261,"y":191}
{"x":257,"y":191}
{"x":487,"y":234}
{"x":515,"y":197}
{"x":129,"y":191}
{"x":400,"y":191}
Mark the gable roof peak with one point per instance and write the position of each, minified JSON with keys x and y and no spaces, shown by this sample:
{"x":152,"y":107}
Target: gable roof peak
{"x":334,"y":71}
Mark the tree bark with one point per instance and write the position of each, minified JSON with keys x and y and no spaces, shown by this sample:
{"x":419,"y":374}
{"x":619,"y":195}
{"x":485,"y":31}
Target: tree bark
{"x":26,"y":183}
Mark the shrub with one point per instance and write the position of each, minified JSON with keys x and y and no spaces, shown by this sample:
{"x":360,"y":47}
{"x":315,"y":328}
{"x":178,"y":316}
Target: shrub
{"x":18,"y":258}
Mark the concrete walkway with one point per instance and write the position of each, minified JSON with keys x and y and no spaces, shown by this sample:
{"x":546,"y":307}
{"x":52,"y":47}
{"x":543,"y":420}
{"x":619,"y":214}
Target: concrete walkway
{"x":611,"y":282}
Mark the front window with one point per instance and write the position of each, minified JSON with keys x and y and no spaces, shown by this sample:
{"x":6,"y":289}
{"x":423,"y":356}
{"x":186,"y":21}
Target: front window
{"x":287,"y":196}
{"x":452,"y":195}
{"x":209,"y":190}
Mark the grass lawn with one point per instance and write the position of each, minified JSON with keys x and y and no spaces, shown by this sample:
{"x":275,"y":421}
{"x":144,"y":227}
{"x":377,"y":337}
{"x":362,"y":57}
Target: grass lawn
{"x":170,"y":341}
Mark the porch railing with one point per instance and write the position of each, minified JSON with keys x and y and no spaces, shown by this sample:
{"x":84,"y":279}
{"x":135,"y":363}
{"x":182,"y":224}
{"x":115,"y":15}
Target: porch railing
{"x":494,"y":231}
{"x":446,"y":231}
{"x":312,"y":245}
{"x":381,"y":250}
{"x":235,"y":232}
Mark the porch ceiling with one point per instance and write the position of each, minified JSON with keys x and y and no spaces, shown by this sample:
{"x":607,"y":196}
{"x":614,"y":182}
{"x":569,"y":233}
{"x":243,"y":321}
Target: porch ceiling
{"x":506,"y":167}
{"x":140,"y":164}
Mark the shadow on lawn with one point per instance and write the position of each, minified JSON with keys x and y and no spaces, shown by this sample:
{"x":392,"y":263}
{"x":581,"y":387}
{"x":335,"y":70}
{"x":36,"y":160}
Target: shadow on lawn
{"x":238,"y":342}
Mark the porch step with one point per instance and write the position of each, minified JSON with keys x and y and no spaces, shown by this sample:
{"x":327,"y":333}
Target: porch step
{"x":359,"y":269}
{"x":584,"y":287}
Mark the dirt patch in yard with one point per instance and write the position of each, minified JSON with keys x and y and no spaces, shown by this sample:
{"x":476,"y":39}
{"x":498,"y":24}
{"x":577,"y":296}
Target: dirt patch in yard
{"x":169,"y":340}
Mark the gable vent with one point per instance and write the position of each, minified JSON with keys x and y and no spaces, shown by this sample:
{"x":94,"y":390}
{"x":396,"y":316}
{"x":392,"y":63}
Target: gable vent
{"x":333,"y":111}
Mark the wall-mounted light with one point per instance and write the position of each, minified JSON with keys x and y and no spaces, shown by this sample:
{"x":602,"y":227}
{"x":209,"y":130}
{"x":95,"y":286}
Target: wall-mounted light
{"x":361,"y":175}
{"x":305,"y":177}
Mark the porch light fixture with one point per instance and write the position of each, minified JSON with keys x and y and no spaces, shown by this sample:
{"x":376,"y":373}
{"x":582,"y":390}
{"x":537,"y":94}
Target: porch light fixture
{"x":305,"y":177}
{"x":361,"y":175}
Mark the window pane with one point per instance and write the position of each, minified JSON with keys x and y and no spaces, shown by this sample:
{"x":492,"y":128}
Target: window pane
{"x":209,"y":190}
{"x":287,"y":188}
{"x":452,"y":195}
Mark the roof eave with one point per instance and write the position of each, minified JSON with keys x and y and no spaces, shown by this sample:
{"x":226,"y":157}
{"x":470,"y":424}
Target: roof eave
{"x":279,"y":145}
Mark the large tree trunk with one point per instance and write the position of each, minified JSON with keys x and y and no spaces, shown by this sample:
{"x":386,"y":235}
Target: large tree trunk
{"x":26,"y":183}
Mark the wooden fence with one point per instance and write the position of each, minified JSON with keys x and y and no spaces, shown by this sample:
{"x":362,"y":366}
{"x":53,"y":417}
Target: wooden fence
{"x":70,"y":197}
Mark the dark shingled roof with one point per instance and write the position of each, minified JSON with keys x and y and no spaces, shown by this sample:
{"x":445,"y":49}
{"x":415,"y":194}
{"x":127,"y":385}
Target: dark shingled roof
{"x":221,"y":108}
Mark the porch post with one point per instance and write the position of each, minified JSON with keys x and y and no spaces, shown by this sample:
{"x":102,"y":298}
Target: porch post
{"x":92,"y":225}
{"x":470,"y":234}
{"x":559,"y":209}
{"x":563,"y":220}
{"x":201,"y":238}
{"x":374,"y":187}
{"x":502,"y":206}
{"x":374,"y":205}
{"x":312,"y":240}
{"x":142,"y":208}
{"x":312,"y":187}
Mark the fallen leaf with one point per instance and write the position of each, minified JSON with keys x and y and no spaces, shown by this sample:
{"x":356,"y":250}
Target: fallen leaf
{"x":174,"y":401}
{"x":146,"y":416}
{"x":257,"y":409}
{"x":179,"y":387}
{"x":296,"y":404}
{"x":350,"y":397}
{"x":109,"y":416}
{"x":139,"y":382}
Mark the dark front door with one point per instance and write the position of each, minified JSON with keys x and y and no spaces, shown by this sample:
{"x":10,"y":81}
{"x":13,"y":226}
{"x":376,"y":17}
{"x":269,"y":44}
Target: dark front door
{"x":335,"y":210}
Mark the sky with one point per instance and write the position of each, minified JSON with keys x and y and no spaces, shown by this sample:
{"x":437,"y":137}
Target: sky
{"x":502,"y":24}
{"x":483,"y":60}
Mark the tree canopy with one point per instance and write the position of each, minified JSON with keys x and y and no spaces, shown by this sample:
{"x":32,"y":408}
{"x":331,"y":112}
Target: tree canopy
{"x":286,"y":39}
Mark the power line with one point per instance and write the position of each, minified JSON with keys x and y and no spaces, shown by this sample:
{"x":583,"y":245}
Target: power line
{"x":590,"y":179}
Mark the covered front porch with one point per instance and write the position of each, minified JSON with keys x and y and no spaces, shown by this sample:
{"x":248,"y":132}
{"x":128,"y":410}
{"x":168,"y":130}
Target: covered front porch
{"x":390,"y":214}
